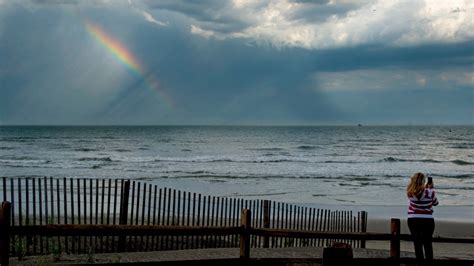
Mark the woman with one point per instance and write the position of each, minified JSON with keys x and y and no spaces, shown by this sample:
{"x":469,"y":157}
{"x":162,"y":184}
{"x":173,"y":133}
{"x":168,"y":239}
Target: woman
{"x":420,"y":216}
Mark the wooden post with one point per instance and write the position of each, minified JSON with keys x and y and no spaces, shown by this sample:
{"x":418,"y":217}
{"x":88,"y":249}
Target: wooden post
{"x":363,"y":227}
{"x":245,"y":236}
{"x":266,"y":221}
{"x":5,"y":217}
{"x":124,"y":196}
{"x":395,"y":240}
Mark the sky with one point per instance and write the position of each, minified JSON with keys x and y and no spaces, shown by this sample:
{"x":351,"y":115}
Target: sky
{"x":236,"y":62}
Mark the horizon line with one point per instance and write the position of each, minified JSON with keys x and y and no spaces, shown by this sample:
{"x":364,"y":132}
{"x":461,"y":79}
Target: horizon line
{"x":226,"y":125}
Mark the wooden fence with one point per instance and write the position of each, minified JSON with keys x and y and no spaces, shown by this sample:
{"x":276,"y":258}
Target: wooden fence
{"x":45,"y":201}
{"x":244,"y":230}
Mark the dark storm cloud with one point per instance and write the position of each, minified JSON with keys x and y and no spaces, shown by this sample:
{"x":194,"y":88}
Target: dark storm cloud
{"x":222,"y":16}
{"x":211,"y":14}
{"x":55,"y":70}
{"x":55,"y":2}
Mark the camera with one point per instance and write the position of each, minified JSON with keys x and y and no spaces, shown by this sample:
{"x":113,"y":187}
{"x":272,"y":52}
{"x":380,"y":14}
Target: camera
{"x":430,"y":180}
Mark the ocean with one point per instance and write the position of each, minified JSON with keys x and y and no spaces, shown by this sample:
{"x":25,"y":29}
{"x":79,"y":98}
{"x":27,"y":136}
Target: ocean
{"x":355,"y":166}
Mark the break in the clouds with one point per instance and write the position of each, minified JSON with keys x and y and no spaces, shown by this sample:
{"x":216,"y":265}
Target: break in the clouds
{"x":236,"y":62}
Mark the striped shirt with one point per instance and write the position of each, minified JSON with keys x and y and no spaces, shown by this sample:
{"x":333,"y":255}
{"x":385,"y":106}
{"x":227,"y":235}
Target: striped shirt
{"x":421,"y":206}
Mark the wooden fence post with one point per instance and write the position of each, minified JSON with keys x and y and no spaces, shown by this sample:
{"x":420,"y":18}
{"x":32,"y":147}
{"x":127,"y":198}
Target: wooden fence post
{"x":5,"y":217}
{"x":266,"y":222}
{"x":363,"y":226}
{"x":124,"y":196}
{"x":395,"y":240}
{"x":245,"y":235}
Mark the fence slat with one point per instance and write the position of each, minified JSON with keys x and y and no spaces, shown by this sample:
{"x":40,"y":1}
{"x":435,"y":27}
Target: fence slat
{"x":27,"y":198}
{"x":96,"y":204}
{"x":149,"y":214}
{"x":316,"y":225}
{"x":133,"y":202}
{"x":206,"y":207}
{"x":319,"y":225}
{"x":20,"y":213}
{"x":310,"y":225}
{"x":109,"y":189}
{"x":51,"y":186}
{"x":12,"y":201}
{"x":115,"y":200}
{"x":163,"y":216}
{"x":58,"y":205}
{"x":173,"y":218}
{"x":213,"y":220}
{"x":91,"y":202}
{"x":283,"y":218}
{"x":79,"y":238}
{"x":183,"y":215}
{"x":97,"y":186}
{"x":153,"y":239}
{"x":102,"y":211}
{"x":91,"y":213}
{"x":233,"y":219}
{"x":195,"y":217}
{"x":188,"y":219}
{"x":143,"y":214}
{"x":66,"y":239}
{"x":168,"y":218}
{"x":327,"y":219}
{"x":71,"y":188}
{"x":226,"y":220}
{"x":34,"y":213}
{"x":114,"y":212}
{"x":363,"y":226}
{"x":158,"y":240}
{"x":124,"y":198}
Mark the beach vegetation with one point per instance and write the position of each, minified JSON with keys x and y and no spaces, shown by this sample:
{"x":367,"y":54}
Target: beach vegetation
{"x":55,"y":249}
{"x":20,"y":247}
{"x":42,"y":261}
{"x":90,"y":254}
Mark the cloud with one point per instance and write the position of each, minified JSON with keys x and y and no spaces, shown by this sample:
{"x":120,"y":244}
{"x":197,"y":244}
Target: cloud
{"x":459,"y":78}
{"x":148,"y":17}
{"x":393,"y":79}
{"x":421,"y":80}
{"x":330,"y":24}
{"x":203,"y":33}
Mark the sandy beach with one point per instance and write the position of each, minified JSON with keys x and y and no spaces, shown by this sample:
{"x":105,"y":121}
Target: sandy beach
{"x":443,"y":228}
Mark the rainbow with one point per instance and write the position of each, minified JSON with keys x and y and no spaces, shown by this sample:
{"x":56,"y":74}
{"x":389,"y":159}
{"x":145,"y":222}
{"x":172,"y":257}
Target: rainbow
{"x":127,"y":58}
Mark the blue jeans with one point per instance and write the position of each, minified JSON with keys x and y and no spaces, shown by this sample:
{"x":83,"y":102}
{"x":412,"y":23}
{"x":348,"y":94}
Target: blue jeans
{"x":421,"y":230}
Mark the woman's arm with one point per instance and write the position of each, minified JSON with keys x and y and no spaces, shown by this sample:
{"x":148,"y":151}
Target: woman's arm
{"x":434,"y":200}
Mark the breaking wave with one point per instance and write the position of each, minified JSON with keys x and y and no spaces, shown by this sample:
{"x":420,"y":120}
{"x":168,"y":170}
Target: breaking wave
{"x":458,"y":161}
{"x":101,"y":159}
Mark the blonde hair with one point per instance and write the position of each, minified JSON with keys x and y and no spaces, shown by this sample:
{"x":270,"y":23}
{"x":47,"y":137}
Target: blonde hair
{"x":416,"y":185}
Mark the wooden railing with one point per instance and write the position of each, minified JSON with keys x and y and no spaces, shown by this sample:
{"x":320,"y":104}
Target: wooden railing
{"x":244,"y":230}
